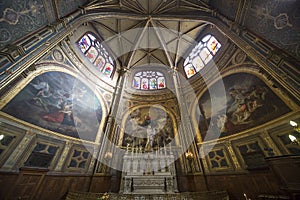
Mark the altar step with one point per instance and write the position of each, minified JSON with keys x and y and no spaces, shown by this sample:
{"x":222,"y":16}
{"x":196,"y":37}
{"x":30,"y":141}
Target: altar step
{"x":211,"y":195}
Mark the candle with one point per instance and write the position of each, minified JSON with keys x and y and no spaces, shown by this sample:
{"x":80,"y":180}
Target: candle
{"x":165,"y":149}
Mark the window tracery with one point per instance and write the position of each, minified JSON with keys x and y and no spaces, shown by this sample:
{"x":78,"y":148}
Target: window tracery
{"x":96,"y":54}
{"x":205,"y":50}
{"x":149,"y":80}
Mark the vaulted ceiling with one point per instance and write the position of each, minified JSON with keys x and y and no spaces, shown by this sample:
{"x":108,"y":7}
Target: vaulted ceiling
{"x":140,"y":42}
{"x":159,"y":25}
{"x":146,"y":38}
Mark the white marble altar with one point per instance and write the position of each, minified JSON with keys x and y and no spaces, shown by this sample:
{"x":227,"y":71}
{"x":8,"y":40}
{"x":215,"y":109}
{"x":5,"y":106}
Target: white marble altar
{"x":148,"y":172}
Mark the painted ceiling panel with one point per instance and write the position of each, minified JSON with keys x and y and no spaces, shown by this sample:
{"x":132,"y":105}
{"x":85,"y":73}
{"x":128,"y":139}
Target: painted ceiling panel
{"x":276,"y":21}
{"x":126,"y":24}
{"x":161,"y":56}
{"x":172,"y":47}
{"x":66,"y":7}
{"x":19,"y":18}
{"x":150,"y":39}
{"x":139,"y":58}
{"x":226,"y":7}
{"x":105,"y":31}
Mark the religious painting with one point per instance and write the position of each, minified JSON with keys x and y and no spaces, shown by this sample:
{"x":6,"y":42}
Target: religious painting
{"x":148,"y":128}
{"x":249,"y":102}
{"x":58,"y":102}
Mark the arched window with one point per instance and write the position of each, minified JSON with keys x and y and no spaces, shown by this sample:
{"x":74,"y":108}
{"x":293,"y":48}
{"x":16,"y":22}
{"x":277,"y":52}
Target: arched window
{"x":97,"y":54}
{"x":201,"y":55}
{"x":149,"y":80}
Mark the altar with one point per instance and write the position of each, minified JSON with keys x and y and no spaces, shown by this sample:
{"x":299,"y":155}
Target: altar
{"x":148,"y":172}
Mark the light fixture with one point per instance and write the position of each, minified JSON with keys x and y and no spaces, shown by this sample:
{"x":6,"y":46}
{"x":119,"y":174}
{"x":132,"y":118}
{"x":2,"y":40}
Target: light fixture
{"x":295,"y":125}
{"x":293,"y":139}
{"x":1,"y":137}
{"x":189,"y":155}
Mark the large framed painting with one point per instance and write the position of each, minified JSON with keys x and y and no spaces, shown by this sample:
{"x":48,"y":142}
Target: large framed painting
{"x":148,"y":128}
{"x":58,"y":102}
{"x":249,"y":103}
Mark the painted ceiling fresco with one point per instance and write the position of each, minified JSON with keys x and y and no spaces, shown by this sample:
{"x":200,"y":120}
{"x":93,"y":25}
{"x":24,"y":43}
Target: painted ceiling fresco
{"x":230,"y":5}
{"x":249,"y":103}
{"x":58,"y":102}
{"x":66,"y":7}
{"x":276,"y":21}
{"x":19,"y":18}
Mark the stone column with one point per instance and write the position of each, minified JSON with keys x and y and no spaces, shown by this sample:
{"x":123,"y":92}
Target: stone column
{"x":112,"y":118}
{"x":185,"y":128}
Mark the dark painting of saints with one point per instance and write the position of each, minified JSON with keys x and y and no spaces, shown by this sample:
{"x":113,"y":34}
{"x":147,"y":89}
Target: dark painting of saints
{"x":58,"y":102}
{"x":249,"y":102}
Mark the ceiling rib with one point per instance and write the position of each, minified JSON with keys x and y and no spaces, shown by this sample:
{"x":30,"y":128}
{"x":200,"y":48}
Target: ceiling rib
{"x":141,"y":7}
{"x":156,"y":58}
{"x":136,"y":25}
{"x":194,"y":6}
{"x":137,"y":42}
{"x":99,"y":5}
{"x":163,"y":43}
{"x":106,"y":27}
{"x":168,"y":28}
{"x":122,"y":59}
{"x":165,"y":8}
{"x":195,"y":27}
{"x":56,"y":9}
{"x":131,"y":6}
{"x":140,"y":59}
{"x":157,"y":7}
{"x":177,"y":45}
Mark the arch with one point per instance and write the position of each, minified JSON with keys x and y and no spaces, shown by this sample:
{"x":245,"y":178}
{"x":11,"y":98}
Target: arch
{"x":248,"y":96}
{"x":59,"y":115}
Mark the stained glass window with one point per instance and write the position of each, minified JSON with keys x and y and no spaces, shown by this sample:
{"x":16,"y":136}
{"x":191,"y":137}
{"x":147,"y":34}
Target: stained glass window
{"x":201,"y":55}
{"x":97,"y":54}
{"x":149,"y":80}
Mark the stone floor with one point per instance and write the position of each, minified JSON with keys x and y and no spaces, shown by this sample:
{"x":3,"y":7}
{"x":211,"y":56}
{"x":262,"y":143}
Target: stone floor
{"x":211,"y":195}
